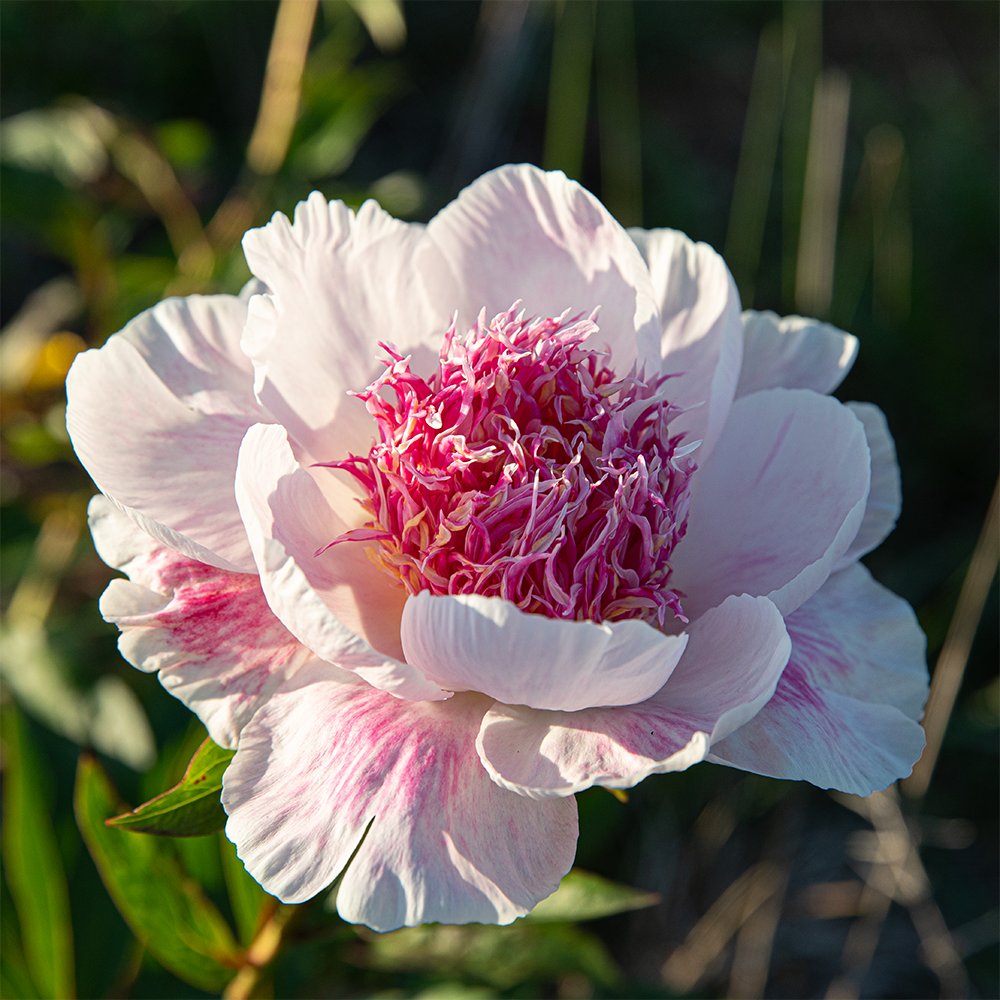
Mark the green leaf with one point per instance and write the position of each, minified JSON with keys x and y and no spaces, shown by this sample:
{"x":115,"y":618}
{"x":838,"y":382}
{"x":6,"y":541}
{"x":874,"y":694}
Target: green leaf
{"x":245,"y":894}
{"x":33,"y":866}
{"x":15,"y":980}
{"x":585,"y":896}
{"x":520,"y":954}
{"x":15,"y":983}
{"x":166,"y":909}
{"x":191,"y":808}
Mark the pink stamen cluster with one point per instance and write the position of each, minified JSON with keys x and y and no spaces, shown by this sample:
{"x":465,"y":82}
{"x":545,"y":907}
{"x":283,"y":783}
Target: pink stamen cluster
{"x":524,"y":469}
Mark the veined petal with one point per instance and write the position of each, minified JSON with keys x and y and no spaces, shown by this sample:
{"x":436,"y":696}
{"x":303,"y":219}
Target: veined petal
{"x":338,"y":284}
{"x":335,"y":602}
{"x":793,"y":353}
{"x":474,"y":643}
{"x":885,"y":497}
{"x":857,"y":638}
{"x":728,"y":672}
{"x":777,"y":503}
{"x":844,"y":712}
{"x":326,"y":757}
{"x":520,"y":233}
{"x":157,"y":415}
{"x":209,"y":633}
{"x":702,"y":337}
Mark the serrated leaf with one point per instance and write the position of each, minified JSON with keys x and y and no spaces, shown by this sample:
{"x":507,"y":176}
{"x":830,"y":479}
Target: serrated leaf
{"x":165,"y":908}
{"x":34,"y":868}
{"x":192,"y":808}
{"x":585,"y":896}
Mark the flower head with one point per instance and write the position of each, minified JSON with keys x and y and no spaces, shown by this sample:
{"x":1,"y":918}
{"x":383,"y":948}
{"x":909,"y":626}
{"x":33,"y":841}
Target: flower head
{"x":610,"y":530}
{"x":526,"y":469}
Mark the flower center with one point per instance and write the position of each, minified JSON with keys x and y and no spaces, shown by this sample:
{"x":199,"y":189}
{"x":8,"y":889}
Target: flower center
{"x":526,"y":469}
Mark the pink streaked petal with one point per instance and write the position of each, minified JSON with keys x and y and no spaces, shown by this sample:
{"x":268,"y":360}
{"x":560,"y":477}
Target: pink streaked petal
{"x":845,"y":711}
{"x":728,"y":672}
{"x":325,"y":757}
{"x":813,"y":734}
{"x":777,"y":504}
{"x":338,"y":284}
{"x":518,"y":233}
{"x":794,"y":353}
{"x":157,"y":416}
{"x":857,"y":638}
{"x":702,"y":333}
{"x":473,"y":643}
{"x":209,"y":633}
{"x":885,"y":498}
{"x":336,"y":603}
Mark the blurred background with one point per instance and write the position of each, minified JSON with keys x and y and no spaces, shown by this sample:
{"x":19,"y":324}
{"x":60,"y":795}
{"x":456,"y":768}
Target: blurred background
{"x":842,"y":156}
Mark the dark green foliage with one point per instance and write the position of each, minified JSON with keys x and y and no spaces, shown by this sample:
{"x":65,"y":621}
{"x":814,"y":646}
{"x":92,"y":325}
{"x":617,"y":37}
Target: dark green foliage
{"x":165,"y":908}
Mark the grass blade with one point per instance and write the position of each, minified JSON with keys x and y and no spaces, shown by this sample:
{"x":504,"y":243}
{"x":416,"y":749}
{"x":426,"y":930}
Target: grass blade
{"x":33,"y":866}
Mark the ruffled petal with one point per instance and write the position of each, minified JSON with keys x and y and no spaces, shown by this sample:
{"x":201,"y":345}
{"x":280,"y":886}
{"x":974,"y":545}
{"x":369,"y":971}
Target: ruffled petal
{"x":335,"y":602}
{"x":475,"y":643}
{"x":338,"y":284}
{"x":728,"y":672}
{"x":885,"y":497}
{"x":702,"y":337}
{"x":518,"y":233}
{"x":209,"y":633}
{"x":793,"y":353}
{"x":157,"y":416}
{"x":777,"y":504}
{"x":844,"y":712}
{"x":327,"y":756}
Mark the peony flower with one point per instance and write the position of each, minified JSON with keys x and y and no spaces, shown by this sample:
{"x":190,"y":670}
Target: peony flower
{"x":438,"y":525}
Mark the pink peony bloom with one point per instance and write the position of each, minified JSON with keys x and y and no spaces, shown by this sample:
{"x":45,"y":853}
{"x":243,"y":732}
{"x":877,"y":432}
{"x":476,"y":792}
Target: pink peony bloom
{"x":443,"y":524}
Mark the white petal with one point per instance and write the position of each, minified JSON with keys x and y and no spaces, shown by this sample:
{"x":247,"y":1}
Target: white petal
{"x":336,"y":603}
{"x":118,"y":540}
{"x":793,"y":353}
{"x":885,"y":498}
{"x":324,"y":758}
{"x":777,"y":504}
{"x":520,"y":233}
{"x":157,"y":416}
{"x":727,"y":674}
{"x":338,"y":284}
{"x":474,"y":643}
{"x":702,"y":336}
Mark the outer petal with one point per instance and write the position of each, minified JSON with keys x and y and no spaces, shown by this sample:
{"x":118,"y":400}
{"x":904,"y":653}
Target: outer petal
{"x":474,"y":643}
{"x":794,"y":353}
{"x":885,"y":498}
{"x":209,"y":633}
{"x":519,"y":233}
{"x":728,"y":672}
{"x":339,"y":283}
{"x":157,"y":416}
{"x":336,"y":603}
{"x":777,"y":504}
{"x":323,"y":759}
{"x":702,"y":334}
{"x":844,"y":713}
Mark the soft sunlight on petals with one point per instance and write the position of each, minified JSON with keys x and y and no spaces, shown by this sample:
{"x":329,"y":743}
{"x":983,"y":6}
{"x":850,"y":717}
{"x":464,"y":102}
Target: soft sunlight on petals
{"x":438,"y":525}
